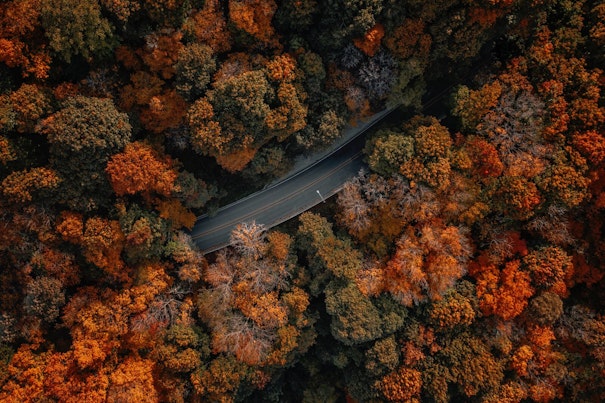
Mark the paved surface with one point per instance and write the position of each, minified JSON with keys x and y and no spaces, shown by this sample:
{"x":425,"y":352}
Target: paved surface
{"x":292,"y":195}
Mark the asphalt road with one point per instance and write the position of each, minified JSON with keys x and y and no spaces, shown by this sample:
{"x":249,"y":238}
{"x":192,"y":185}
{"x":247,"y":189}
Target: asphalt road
{"x":292,"y":195}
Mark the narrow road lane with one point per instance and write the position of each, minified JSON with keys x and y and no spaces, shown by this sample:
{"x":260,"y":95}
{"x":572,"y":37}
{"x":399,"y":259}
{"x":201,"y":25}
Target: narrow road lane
{"x":291,"y":196}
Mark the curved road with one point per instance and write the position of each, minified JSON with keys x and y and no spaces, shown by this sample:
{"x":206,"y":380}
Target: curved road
{"x":290,"y":196}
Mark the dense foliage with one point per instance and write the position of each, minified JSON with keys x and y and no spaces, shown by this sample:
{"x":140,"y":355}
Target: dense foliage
{"x":466,"y":264}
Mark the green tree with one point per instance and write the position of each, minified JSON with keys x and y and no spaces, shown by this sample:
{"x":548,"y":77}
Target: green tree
{"x":145,"y":234}
{"x":314,"y":74}
{"x":182,"y":349}
{"x":191,"y":191}
{"x":430,"y":162}
{"x":243,"y":100}
{"x":83,"y":135}
{"x":194,"y":69}
{"x":229,"y":124}
{"x":343,"y":19}
{"x":472,"y":367}
{"x":355,"y":319}
{"x":296,"y":15}
{"x":268,"y":163}
{"x":383,"y":356}
{"x":458,"y":308}
{"x":168,"y":12}
{"x":322,"y":130}
{"x":387,"y":150}
{"x":76,"y":28}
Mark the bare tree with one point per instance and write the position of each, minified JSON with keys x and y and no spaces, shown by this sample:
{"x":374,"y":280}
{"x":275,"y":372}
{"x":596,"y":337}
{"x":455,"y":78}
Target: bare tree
{"x":248,"y":239}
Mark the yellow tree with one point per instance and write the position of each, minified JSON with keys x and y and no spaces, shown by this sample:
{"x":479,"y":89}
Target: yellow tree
{"x":132,"y":380}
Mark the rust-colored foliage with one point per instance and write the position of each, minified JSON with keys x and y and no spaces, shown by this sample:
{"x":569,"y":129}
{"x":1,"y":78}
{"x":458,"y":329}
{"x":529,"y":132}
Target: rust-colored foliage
{"x":583,"y":272}
{"x":141,"y":169}
{"x":59,"y":265}
{"x":64,"y":381}
{"x":30,"y":103}
{"x":20,"y":185}
{"x":71,"y":226}
{"x":96,"y":320}
{"x":264,"y":310}
{"x":132,"y":380}
{"x":160,"y":108}
{"x":409,"y":39}
{"x":373,"y":219}
{"x":426,"y":263}
{"x":282,"y":68}
{"x":209,"y":26}
{"x":65,"y":90}
{"x":254,"y":17}
{"x":486,"y":17}
{"x":19,"y":43}
{"x":401,"y":385}
{"x":104,"y":297}
{"x":357,"y":102}
{"x":26,"y":376}
{"x":592,"y":145}
{"x":143,"y":87}
{"x":7,"y":153}
{"x":371,"y":40}
{"x":511,"y":116}
{"x":518,"y":197}
{"x":519,"y":360}
{"x":245,"y":306}
{"x":102,"y":242}
{"x":279,"y":244}
{"x":163,"y":111}
{"x":484,"y":157}
{"x":549,"y":266}
{"x":176,"y":213}
{"x":370,"y":279}
{"x":339,"y":79}
{"x":160,"y":53}
{"x":237,"y":160}
{"x":503,"y":292}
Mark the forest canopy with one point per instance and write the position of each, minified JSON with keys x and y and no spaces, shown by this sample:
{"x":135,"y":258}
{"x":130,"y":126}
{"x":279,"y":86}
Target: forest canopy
{"x":465,"y":263}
